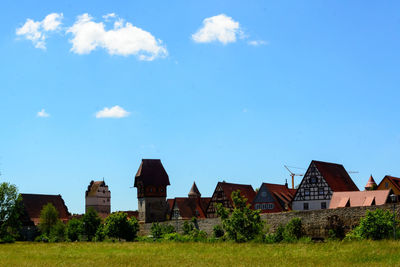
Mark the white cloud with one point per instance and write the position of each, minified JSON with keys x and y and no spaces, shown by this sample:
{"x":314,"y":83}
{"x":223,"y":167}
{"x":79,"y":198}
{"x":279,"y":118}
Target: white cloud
{"x":257,"y":42}
{"x":43,"y":114}
{"x":113,"y":112}
{"x":124,"y":39}
{"x":218,"y":28}
{"x":36,"y":30}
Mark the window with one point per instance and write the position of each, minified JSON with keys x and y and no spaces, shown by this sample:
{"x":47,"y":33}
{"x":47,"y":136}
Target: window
{"x":264,"y":194}
{"x":219,"y":194}
{"x":323,"y":205}
{"x":305,"y":206}
{"x":257,"y":206}
{"x":386,"y":185}
{"x":313,"y":180}
{"x":321,"y":191}
{"x":307,"y":192}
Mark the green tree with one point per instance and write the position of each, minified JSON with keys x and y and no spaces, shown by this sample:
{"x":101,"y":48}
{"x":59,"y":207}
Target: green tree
{"x":57,"y":232}
{"x":11,"y":209}
{"x":48,"y":218}
{"x":74,"y":229}
{"x":91,"y":221}
{"x":117,"y":225}
{"x":243,"y":223}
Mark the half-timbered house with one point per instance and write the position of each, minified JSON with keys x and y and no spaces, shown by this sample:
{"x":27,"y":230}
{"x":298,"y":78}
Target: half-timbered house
{"x":319,"y":183}
{"x":222,"y":194}
{"x":273,"y":198}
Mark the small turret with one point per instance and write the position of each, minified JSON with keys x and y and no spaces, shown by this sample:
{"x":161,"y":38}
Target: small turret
{"x":194,"y":191}
{"x":371,"y":185}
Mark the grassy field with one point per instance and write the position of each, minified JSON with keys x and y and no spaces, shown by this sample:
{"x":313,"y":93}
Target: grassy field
{"x":384,"y":253}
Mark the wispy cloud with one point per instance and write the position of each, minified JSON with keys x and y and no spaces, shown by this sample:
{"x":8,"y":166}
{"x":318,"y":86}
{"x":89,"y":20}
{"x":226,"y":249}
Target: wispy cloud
{"x":220,"y":28}
{"x":42,"y":114}
{"x":113,"y":112}
{"x":36,"y":31}
{"x":257,"y":42}
{"x":123,"y":39}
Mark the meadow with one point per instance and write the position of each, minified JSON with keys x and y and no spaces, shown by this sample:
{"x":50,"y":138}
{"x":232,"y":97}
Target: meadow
{"x":357,"y":253}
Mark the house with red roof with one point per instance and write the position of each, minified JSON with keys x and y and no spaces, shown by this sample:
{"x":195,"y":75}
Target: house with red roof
{"x":273,"y":198}
{"x":360,"y":198}
{"x":318,"y":184}
{"x":390,"y":182}
{"x":222,"y":194}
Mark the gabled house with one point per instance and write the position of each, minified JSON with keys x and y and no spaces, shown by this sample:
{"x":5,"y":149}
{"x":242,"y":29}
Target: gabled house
{"x":318,"y":184}
{"x":273,"y":198}
{"x":98,"y":197}
{"x":390,"y":182}
{"x":360,"y":198}
{"x":188,"y":207}
{"x":222,"y":194}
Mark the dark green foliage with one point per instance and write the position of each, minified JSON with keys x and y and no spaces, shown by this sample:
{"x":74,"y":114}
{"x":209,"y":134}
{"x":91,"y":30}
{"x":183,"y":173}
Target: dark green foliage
{"x":293,"y":230}
{"x":58,"y":232}
{"x":335,"y":227}
{"x":74,"y":229}
{"x":159,"y":230}
{"x":117,"y":225}
{"x":218,"y":231}
{"x":91,"y":221}
{"x":100,"y":235}
{"x":375,"y":225}
{"x":11,"y":209}
{"x":243,"y":224}
{"x":187,"y":228}
{"x":48,"y":219}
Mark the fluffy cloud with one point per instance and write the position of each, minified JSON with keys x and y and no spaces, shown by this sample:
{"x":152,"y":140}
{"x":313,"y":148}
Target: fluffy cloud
{"x":257,"y":42}
{"x":36,"y":30}
{"x":124,"y":39}
{"x":43,"y":114}
{"x":218,"y":28}
{"x":113,"y":112}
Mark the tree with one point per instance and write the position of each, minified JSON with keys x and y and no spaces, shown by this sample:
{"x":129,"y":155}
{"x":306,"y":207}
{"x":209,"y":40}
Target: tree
{"x":242,"y":224}
{"x":74,"y":229}
{"x":117,"y":225}
{"x":48,"y":218}
{"x":91,"y":221}
{"x":11,"y":209}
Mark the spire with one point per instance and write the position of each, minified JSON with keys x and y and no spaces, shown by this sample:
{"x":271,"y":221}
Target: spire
{"x":194,"y":192}
{"x":371,"y":185}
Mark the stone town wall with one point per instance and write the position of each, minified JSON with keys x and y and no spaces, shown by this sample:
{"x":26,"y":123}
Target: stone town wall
{"x":314,"y":222}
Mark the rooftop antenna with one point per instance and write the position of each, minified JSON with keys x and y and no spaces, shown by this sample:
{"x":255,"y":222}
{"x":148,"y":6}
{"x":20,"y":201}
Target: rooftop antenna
{"x":292,"y":174}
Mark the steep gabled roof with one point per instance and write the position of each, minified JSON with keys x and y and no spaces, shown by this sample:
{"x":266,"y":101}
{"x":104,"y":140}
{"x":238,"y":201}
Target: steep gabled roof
{"x":194,"y":191}
{"x":280,"y":192}
{"x":93,"y":187}
{"x":336,"y":176}
{"x":191,"y":207}
{"x":245,"y":190}
{"x":151,"y":172}
{"x":359,"y":198}
{"x":394,"y":180}
{"x":371,"y":183}
{"x":34,"y":203}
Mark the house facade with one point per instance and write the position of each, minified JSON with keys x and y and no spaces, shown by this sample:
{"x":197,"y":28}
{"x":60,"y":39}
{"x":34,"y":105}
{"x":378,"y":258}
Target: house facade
{"x":390,"y":182}
{"x":273,"y":198}
{"x":318,"y":184}
{"x":98,"y":197}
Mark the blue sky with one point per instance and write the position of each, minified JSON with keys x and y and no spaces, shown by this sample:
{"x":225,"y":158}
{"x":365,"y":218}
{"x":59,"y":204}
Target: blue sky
{"x":218,"y":90}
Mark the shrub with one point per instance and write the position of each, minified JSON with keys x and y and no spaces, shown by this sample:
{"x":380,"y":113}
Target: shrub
{"x":293,"y":230}
{"x":58,"y":232}
{"x":198,"y":235}
{"x":117,"y":225}
{"x":218,"y":231}
{"x":74,"y":229}
{"x":100,"y":235}
{"x":187,"y":228}
{"x":242,"y":224}
{"x":375,"y":225}
{"x":48,"y":219}
{"x":158,"y":230}
{"x":91,"y":221}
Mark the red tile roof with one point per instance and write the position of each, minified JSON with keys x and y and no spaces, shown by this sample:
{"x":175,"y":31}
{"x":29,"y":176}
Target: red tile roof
{"x":371,"y":183}
{"x":152,"y":172}
{"x":359,"y":198}
{"x":191,"y":207}
{"x":34,"y":203}
{"x":245,"y":190}
{"x":336,"y":176}
{"x":194,"y":191}
{"x":281,"y":192}
{"x":394,"y":180}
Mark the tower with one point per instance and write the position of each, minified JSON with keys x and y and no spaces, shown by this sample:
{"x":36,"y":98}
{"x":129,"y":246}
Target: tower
{"x":151,"y":181}
{"x":194,"y":192}
{"x":98,"y":197}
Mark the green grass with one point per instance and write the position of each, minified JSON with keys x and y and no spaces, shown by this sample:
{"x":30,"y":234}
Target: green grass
{"x":365,"y":253}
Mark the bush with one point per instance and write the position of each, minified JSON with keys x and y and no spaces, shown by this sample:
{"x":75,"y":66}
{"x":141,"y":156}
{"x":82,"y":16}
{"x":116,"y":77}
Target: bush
{"x":293,"y":230}
{"x":91,"y":221}
{"x":198,"y":236}
{"x":100,"y":235}
{"x":375,"y":225}
{"x":117,"y":225}
{"x":243,"y":224}
{"x":187,"y":228}
{"x":218,"y":231}
{"x":158,"y":230}
{"x":74,"y":229}
{"x":58,"y":232}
